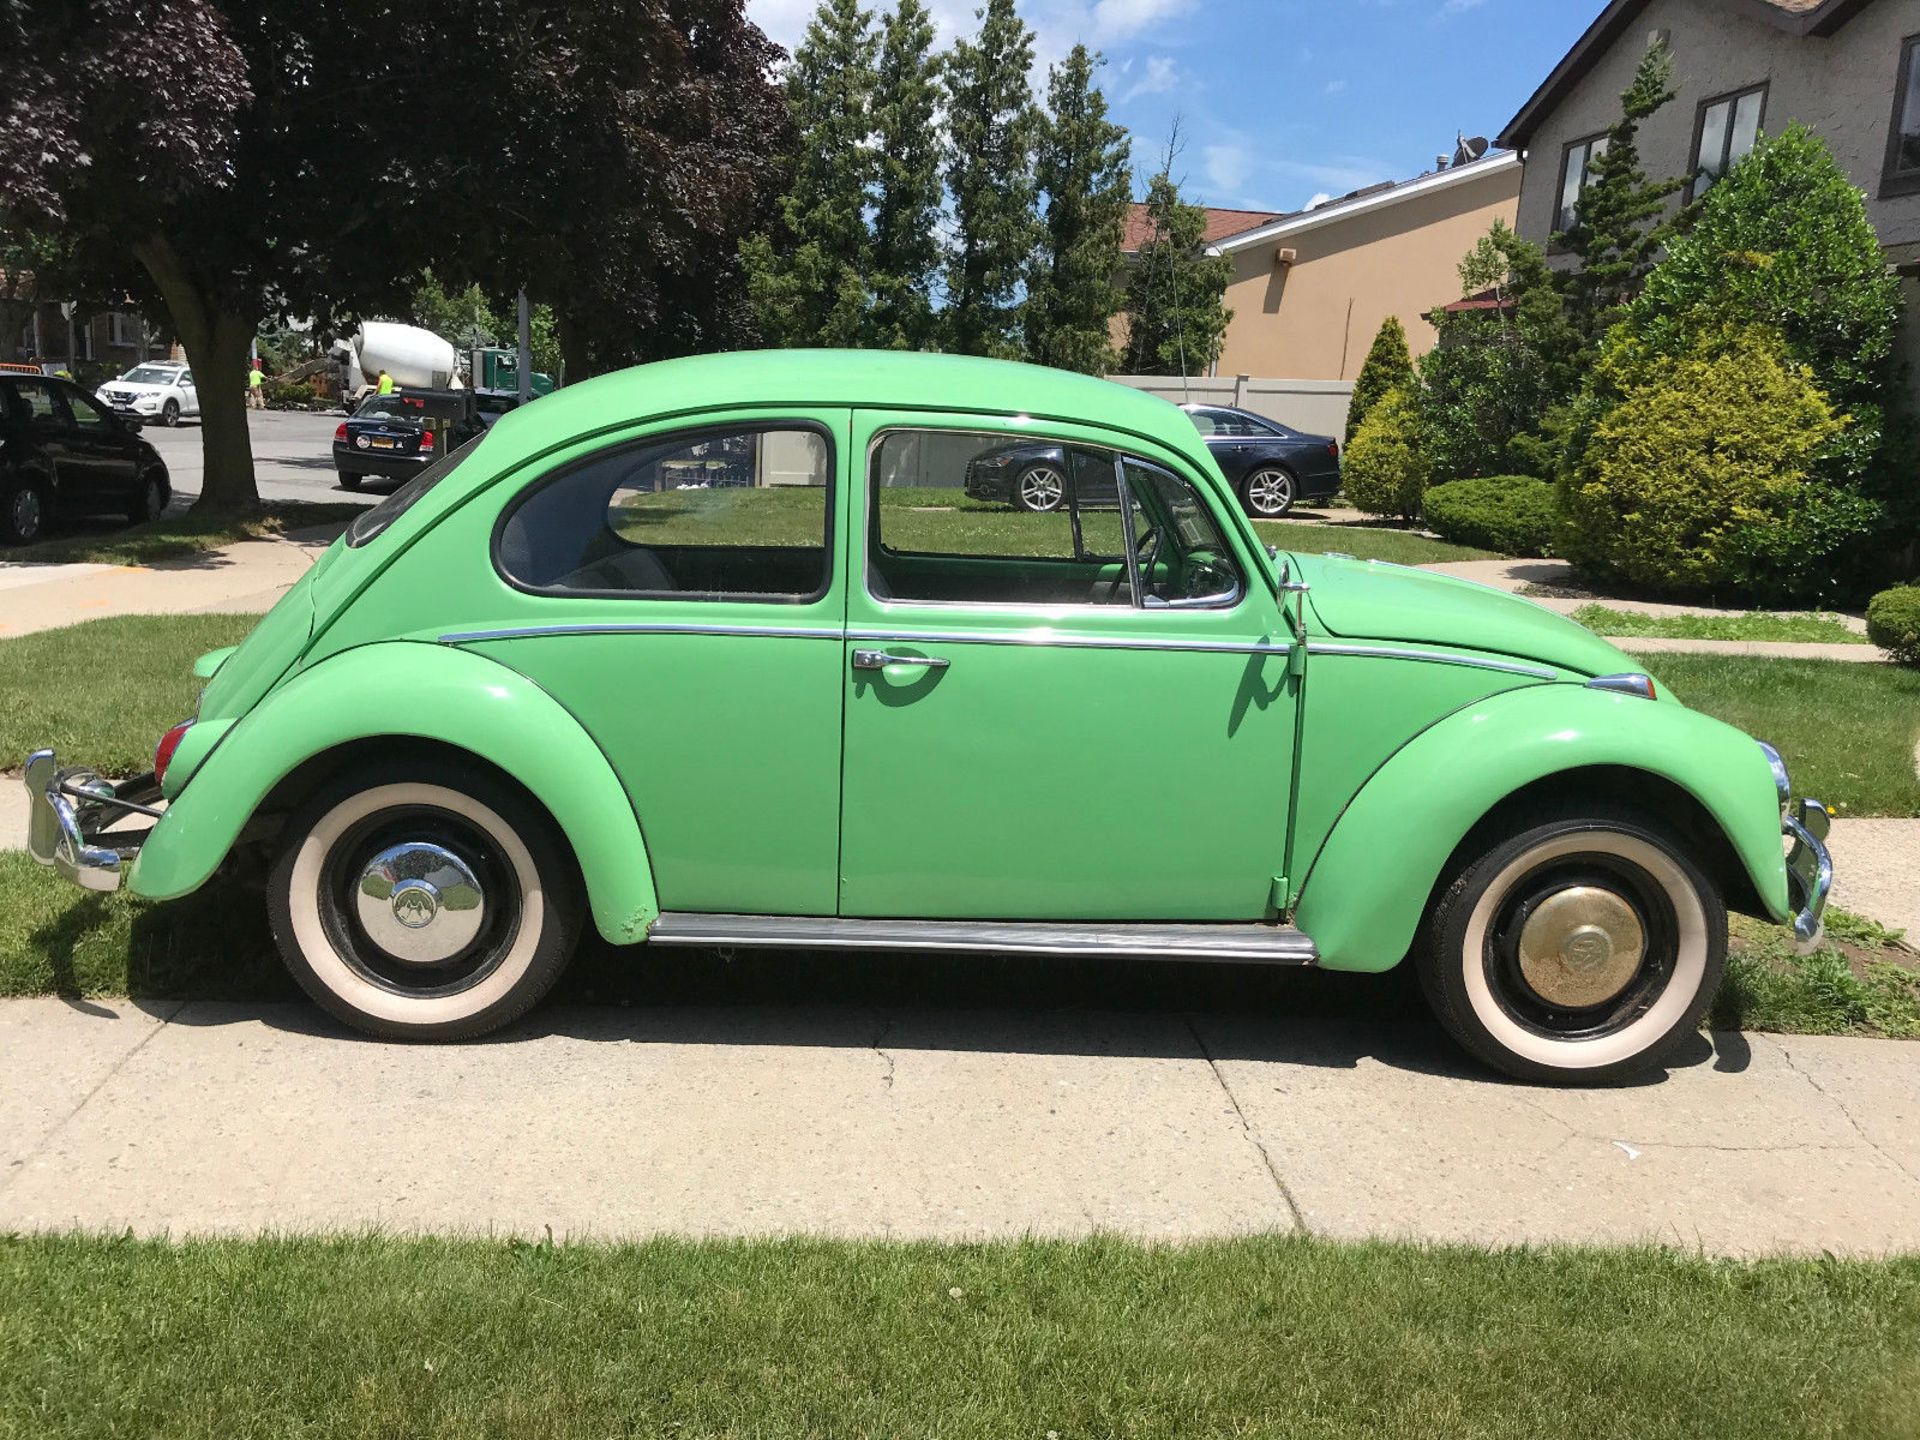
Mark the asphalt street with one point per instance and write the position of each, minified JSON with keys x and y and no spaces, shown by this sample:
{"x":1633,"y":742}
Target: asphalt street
{"x":292,"y":454}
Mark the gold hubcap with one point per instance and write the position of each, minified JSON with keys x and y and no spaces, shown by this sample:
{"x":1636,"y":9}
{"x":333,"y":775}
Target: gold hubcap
{"x":1581,"y":947}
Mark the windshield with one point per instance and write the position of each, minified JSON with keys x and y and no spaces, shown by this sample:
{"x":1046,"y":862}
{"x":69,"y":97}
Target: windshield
{"x":151,"y":375}
{"x":370,"y":524}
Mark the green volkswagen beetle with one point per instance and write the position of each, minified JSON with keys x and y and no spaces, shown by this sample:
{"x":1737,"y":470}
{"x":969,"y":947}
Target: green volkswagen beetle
{"x":720,"y":652}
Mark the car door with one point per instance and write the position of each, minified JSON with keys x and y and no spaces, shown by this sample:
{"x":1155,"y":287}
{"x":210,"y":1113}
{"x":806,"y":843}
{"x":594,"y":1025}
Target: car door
{"x":679,"y":592}
{"x":1079,"y":715}
{"x":189,"y":397}
{"x":102,"y":463}
{"x":39,"y":413}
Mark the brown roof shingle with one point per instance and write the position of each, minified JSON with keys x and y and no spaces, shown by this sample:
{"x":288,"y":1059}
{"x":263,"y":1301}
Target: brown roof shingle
{"x":1220,"y":224}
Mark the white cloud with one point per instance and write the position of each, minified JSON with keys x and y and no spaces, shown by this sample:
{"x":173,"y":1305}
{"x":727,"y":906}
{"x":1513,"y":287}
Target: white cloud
{"x":1159,"y":75}
{"x":1115,"y":20}
{"x":1227,"y":167}
{"x":1334,"y":87}
{"x":1320,"y":197}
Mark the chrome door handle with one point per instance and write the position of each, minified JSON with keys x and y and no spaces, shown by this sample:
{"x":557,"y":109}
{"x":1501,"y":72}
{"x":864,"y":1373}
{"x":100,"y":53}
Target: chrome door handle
{"x":880,"y":659}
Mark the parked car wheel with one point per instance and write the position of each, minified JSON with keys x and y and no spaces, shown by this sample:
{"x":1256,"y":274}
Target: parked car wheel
{"x":424,"y":901}
{"x":149,"y":500}
{"x":1040,"y":488}
{"x":1268,"y":492}
{"x":170,"y":414}
{"x":350,"y":479}
{"x":23,"y":510}
{"x":1580,"y":950}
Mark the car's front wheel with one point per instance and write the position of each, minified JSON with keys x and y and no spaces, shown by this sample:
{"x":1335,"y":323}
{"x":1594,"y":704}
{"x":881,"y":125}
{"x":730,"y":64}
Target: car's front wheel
{"x":149,"y":499}
{"x":1268,"y":492}
{"x":424,"y":901}
{"x":1579,"y":950}
{"x":170,"y":414}
{"x":1040,"y":488}
{"x":24,"y":503}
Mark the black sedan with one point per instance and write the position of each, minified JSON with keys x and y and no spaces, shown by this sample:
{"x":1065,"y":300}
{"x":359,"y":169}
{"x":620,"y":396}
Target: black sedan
{"x":60,"y":449}
{"x":395,"y":436}
{"x":1270,"y":466}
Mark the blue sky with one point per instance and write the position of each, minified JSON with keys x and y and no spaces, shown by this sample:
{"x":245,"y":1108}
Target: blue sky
{"x":1281,"y":101}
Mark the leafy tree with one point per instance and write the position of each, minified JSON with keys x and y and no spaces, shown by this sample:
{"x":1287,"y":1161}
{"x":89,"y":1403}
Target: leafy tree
{"x":1084,"y":170}
{"x":1389,"y":366}
{"x":991,"y":129}
{"x":1613,"y":234}
{"x":1702,"y":477}
{"x":808,"y":281}
{"x":1176,"y":311}
{"x":1386,"y":468}
{"x":468,"y":317}
{"x":1498,"y":373}
{"x":906,"y":197}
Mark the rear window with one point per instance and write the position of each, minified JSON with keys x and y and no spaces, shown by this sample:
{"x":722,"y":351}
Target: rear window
{"x":416,"y":408}
{"x":371,"y":524}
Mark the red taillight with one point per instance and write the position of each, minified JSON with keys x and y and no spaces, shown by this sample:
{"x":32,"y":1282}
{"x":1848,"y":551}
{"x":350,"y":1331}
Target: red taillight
{"x":341,"y":433}
{"x":163,"y":752}
{"x":426,"y":439}
{"x":1333,"y":448}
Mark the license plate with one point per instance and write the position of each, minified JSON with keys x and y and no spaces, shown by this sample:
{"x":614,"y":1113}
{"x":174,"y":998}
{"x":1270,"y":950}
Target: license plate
{"x":380,"y":444}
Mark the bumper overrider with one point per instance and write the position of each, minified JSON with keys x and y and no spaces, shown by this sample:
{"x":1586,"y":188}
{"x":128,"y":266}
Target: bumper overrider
{"x":70,"y":817}
{"x":1809,"y":865}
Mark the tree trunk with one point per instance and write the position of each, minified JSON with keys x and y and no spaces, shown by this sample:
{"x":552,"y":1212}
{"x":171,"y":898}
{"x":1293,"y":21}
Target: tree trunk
{"x":575,"y":357}
{"x":218,"y":343}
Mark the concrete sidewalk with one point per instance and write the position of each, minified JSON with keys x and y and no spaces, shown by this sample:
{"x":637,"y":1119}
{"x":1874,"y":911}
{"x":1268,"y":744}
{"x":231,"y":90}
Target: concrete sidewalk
{"x":947,"y":1123}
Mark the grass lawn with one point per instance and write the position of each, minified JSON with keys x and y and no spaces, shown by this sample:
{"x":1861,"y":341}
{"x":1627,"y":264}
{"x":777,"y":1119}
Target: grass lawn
{"x":1365,"y":542}
{"x":1847,"y":731}
{"x":181,"y":535}
{"x":1611,"y":621}
{"x":376,"y":1335}
{"x":103,"y":692}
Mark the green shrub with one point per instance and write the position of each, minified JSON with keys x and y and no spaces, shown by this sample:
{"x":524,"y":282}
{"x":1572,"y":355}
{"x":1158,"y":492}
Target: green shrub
{"x":280,"y":393}
{"x":1389,"y":367}
{"x":1513,"y":514}
{"x":1385,"y":470}
{"x":1692,"y":479}
{"x":1893,"y":623}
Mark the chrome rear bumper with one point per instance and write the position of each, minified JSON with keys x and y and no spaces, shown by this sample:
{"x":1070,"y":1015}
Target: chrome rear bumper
{"x":69,"y":812}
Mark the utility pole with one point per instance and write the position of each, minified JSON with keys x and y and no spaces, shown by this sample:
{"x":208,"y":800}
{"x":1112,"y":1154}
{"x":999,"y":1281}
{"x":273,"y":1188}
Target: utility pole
{"x":523,"y":368}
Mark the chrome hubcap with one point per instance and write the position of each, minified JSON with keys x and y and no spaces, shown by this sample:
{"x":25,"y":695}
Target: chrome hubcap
{"x":1581,"y":947}
{"x":1270,"y":491}
{"x":1042,"y":488}
{"x":421,"y":903}
{"x":26,"y":512}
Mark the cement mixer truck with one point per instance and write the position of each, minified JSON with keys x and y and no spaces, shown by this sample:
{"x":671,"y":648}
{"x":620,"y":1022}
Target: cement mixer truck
{"x":415,"y":358}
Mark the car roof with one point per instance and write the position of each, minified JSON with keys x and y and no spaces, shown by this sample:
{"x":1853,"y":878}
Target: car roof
{"x":869,"y":379}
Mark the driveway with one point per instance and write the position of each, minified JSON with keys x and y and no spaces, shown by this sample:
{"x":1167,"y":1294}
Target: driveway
{"x":943,"y":1122}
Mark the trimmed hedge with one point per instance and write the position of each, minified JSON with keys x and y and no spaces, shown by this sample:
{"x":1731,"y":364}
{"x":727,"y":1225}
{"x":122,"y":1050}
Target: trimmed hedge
{"x":1385,"y":471}
{"x":1893,"y":623}
{"x":1514,"y":514}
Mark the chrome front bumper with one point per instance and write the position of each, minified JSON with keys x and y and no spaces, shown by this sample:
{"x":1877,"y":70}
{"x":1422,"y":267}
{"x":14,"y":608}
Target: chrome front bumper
{"x":69,"y":818}
{"x":1809,"y":865}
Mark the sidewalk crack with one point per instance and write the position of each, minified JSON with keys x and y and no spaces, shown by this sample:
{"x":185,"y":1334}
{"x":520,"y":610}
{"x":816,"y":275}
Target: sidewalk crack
{"x":879,"y":1039}
{"x":1841,"y":1106}
{"x":25,"y":1162}
{"x":1246,"y":1129}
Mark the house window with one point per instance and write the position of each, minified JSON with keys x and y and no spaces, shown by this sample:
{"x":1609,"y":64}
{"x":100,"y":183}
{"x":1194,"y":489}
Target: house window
{"x":1724,"y":133}
{"x":1576,"y":169}
{"x":1902,"y":173}
{"x":123,"y":330}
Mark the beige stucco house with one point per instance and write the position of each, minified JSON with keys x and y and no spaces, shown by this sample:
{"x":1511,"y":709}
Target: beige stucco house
{"x":1310,"y":289}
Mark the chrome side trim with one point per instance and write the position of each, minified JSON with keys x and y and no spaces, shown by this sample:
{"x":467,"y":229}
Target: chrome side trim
{"x":638,"y":627}
{"x":1068,"y":642}
{"x":1434,"y":657}
{"x":1245,"y":941}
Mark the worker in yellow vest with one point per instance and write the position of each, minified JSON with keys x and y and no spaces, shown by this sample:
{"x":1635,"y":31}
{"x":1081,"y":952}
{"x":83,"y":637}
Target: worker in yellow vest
{"x":385,"y":387}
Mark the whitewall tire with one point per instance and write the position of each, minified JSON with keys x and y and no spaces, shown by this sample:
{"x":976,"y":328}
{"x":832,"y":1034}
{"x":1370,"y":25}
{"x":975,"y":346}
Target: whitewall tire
{"x":1577,"y":951}
{"x":424,"y":901}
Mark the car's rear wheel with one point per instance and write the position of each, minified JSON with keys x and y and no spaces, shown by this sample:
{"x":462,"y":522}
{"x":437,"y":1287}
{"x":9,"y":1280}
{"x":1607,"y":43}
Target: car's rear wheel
{"x":149,"y":499}
{"x":1579,"y":950}
{"x":1268,"y":492}
{"x":170,"y":414}
{"x":350,"y":479}
{"x":24,"y":502}
{"x":1040,"y":488}
{"x":424,"y":901}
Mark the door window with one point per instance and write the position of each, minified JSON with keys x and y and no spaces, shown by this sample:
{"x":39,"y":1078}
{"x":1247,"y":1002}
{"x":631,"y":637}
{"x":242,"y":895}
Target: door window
{"x":34,"y":399}
{"x":86,"y":413}
{"x":726,"y":514}
{"x":963,"y":517}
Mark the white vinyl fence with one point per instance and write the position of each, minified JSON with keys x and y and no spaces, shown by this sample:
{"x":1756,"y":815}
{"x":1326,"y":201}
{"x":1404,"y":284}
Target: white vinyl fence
{"x":1316,"y":406}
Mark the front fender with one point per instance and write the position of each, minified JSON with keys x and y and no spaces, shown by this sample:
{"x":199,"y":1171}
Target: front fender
{"x":424,"y":691}
{"x":1367,"y":888}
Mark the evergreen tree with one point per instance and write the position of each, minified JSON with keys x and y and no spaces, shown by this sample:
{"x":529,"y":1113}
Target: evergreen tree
{"x":807,"y":280}
{"x":1613,"y":234}
{"x":991,"y":123}
{"x":1176,"y":315}
{"x":906,"y":247}
{"x":1389,"y":366}
{"x":1072,"y":294}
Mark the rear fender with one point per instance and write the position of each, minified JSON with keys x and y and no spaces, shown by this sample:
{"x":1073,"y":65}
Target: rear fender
{"x":1369,"y":886}
{"x":426,"y":692}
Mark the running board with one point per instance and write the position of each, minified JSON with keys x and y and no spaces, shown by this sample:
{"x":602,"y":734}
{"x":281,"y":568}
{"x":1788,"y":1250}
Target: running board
{"x":1245,"y":942}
